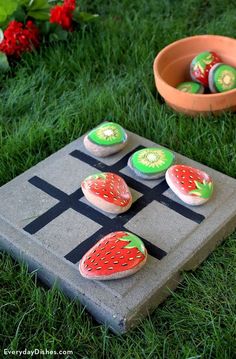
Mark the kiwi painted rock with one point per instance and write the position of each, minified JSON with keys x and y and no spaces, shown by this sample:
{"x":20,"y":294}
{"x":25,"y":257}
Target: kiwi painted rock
{"x":106,"y":139}
{"x":107,"y":191}
{"x":151,"y":163}
{"x":222,"y":78}
{"x":201,"y":65}
{"x":190,"y":87}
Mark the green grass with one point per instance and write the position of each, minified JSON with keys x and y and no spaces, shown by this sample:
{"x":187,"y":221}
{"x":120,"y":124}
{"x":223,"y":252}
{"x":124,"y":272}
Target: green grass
{"x":51,"y":98}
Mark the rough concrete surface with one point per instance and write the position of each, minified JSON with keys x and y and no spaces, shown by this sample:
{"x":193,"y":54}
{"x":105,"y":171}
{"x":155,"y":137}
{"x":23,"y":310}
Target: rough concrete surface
{"x":46,"y":221}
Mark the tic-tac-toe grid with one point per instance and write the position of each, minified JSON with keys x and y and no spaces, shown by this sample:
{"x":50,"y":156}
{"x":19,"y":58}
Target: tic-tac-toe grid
{"x":45,"y":220}
{"x":66,"y":201}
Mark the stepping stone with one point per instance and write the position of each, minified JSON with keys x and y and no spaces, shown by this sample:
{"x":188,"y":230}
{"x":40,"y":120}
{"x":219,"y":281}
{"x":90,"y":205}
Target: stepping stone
{"x":151,"y":163}
{"x":222,"y":78}
{"x":106,"y":139}
{"x":117,"y":255}
{"x":107,"y":191}
{"x":191,"y":185}
{"x":46,"y":221}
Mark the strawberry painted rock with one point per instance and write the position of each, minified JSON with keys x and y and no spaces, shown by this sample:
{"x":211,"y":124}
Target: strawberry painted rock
{"x":106,"y":139}
{"x":117,"y":255}
{"x":107,"y":191}
{"x":201,"y":65}
{"x":190,"y":184}
{"x":151,"y":163}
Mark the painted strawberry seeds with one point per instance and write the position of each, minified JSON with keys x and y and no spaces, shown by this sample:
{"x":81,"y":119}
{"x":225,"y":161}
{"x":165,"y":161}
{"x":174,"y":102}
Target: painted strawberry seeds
{"x":107,"y":191}
{"x":117,"y":255}
{"x":190,"y":184}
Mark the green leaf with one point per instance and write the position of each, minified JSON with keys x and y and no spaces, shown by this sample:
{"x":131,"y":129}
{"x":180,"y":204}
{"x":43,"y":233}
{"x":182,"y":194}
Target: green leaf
{"x":45,"y":28}
{"x":7,"y":9}
{"x":18,"y":15}
{"x":8,"y":6}
{"x":39,"y":14}
{"x":39,"y":5}
{"x":79,"y":16}
{"x":58,"y":35}
{"x":26,"y":2}
{"x":39,"y":10}
{"x":4,"y":64}
{"x":204,"y":190}
{"x":134,"y":242}
{"x":3,"y":15}
{"x":96,"y":176}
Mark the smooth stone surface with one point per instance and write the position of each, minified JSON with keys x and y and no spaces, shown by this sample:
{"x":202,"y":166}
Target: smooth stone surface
{"x":106,"y":139}
{"x":222,"y":78}
{"x":117,"y":255}
{"x":151,"y":163}
{"x":190,"y":87}
{"x":107,"y":191}
{"x":201,"y":65}
{"x":190,"y":184}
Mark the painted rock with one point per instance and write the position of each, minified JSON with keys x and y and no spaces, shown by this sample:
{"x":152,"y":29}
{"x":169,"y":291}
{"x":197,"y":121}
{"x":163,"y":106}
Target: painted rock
{"x":190,"y":87}
{"x":151,"y":162}
{"x":117,"y":255}
{"x":107,"y":191}
{"x":106,"y":139}
{"x":201,"y":65}
{"x":190,"y":184}
{"x":222,"y":78}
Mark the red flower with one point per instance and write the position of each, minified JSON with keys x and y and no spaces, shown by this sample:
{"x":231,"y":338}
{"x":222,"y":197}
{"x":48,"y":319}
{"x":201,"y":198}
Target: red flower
{"x":19,"y":39}
{"x":62,"y":14}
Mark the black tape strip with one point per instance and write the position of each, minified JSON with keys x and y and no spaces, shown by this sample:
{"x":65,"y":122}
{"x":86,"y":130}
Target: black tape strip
{"x":46,"y":218}
{"x":102,"y":166}
{"x":48,"y":188}
{"x":182,"y":210}
{"x":92,"y":213}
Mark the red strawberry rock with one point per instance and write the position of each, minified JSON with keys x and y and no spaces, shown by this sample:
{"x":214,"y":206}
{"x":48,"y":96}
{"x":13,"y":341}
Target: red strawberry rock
{"x":117,"y":255}
{"x":108,"y":192}
{"x":201,"y":65}
{"x":190,"y":184}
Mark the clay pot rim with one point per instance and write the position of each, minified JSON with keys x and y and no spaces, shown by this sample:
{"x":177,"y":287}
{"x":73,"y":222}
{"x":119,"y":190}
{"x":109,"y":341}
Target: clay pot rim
{"x":175,"y":90}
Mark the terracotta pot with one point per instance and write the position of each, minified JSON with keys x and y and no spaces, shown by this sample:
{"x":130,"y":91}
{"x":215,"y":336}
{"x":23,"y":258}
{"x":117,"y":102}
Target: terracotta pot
{"x":171,"y":66}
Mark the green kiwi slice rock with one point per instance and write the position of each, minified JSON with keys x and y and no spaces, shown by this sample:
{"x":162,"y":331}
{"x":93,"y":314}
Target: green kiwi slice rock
{"x":107,"y":134}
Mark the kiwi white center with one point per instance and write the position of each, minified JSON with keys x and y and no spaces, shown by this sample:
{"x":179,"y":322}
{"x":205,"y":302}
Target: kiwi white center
{"x":108,"y":132}
{"x":151,"y":157}
{"x":227,"y":79}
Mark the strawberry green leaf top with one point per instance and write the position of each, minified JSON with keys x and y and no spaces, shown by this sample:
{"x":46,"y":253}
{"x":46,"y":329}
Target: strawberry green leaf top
{"x":134,"y":242}
{"x":203,"y":190}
